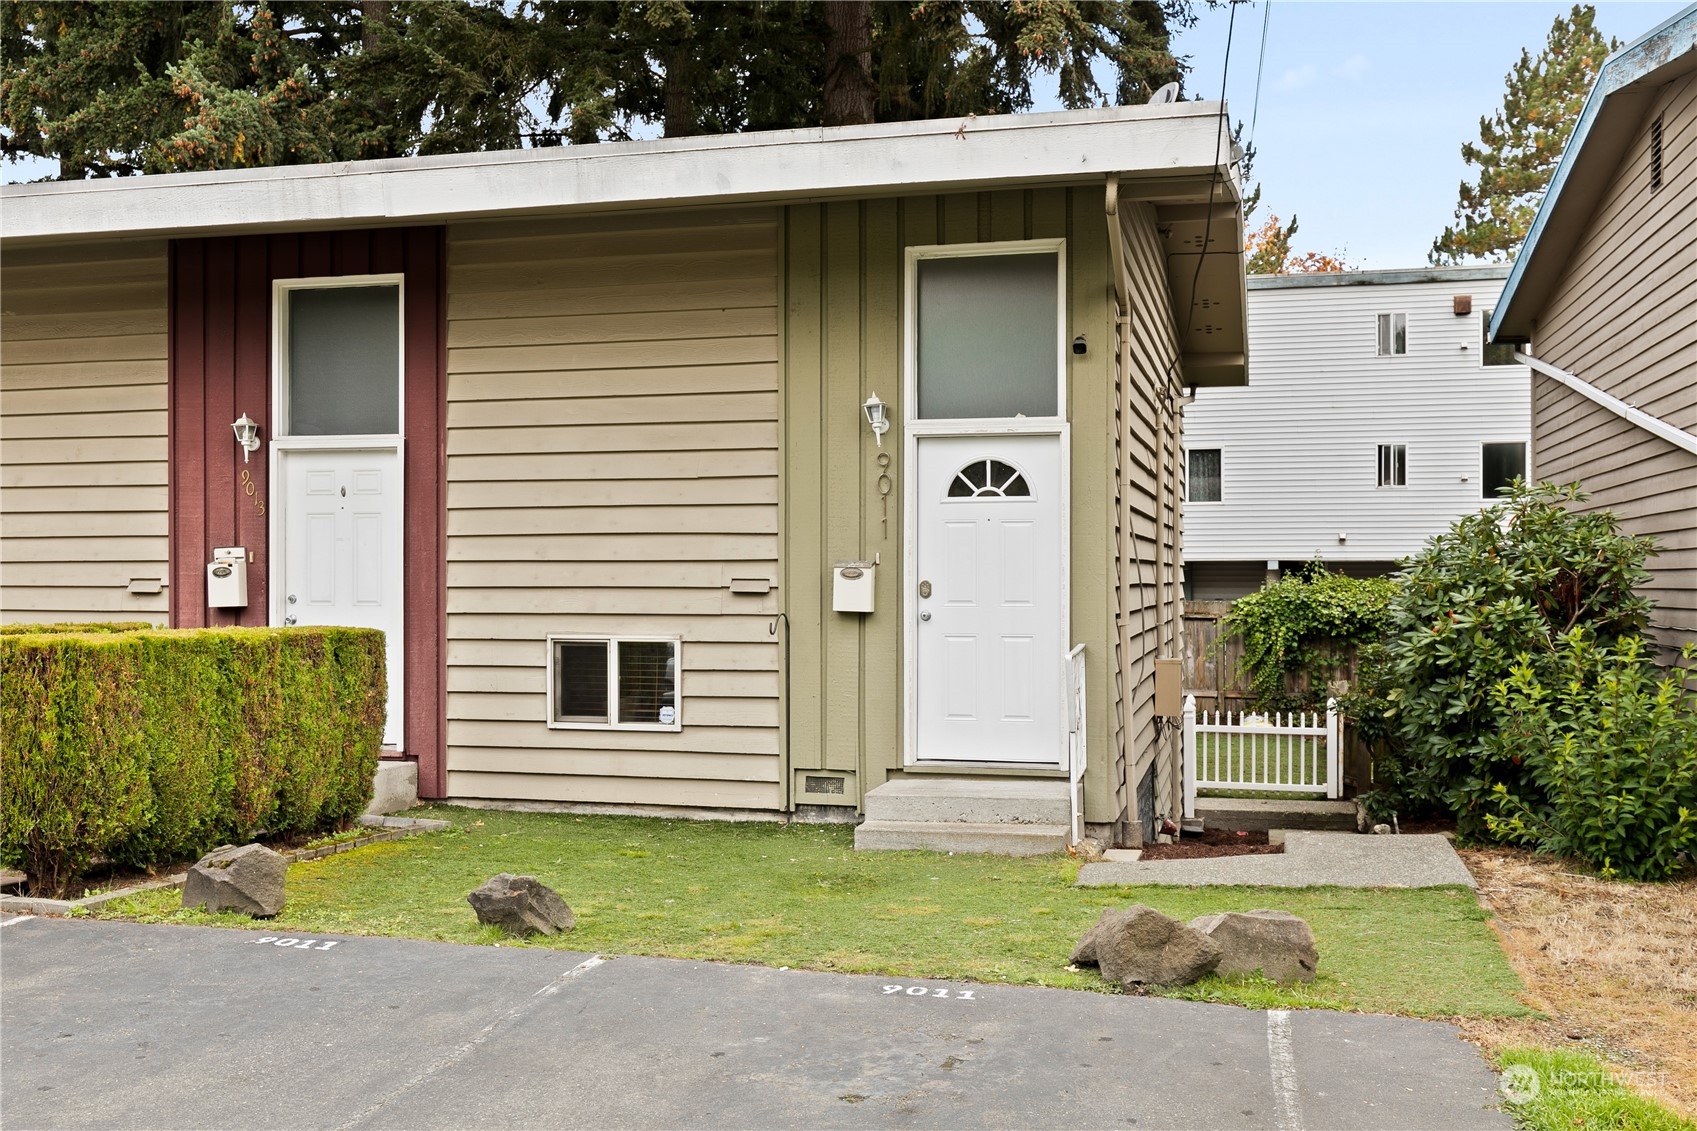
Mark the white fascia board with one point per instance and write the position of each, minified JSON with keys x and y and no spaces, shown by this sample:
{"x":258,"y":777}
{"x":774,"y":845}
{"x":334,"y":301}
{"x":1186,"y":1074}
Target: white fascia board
{"x":1171,"y":140}
{"x":1654,"y":425}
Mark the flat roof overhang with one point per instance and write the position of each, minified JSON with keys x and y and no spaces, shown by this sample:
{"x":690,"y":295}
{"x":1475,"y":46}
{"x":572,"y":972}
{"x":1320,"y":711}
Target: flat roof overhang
{"x":1170,"y":155}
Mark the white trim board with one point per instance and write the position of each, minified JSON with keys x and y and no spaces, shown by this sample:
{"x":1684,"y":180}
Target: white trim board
{"x":1654,"y":425}
{"x":1167,"y":141}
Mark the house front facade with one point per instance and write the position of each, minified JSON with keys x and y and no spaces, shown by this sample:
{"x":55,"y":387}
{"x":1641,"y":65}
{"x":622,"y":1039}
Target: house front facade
{"x":1377,"y":415}
{"x":1603,"y":305}
{"x":590,"y":434}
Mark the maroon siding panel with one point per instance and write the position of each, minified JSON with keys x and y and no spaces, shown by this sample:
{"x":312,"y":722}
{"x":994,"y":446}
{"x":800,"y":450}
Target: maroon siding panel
{"x":221,"y":328}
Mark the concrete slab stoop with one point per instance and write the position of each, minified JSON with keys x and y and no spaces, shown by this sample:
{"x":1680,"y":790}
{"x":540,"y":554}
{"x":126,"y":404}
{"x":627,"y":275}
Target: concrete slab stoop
{"x":1010,"y":817}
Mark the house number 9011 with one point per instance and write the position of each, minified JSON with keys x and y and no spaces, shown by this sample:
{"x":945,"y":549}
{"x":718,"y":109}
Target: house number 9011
{"x":928,"y":991}
{"x":302,"y":944}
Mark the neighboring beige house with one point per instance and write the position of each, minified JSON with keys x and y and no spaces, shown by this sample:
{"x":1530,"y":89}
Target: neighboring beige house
{"x":586,"y":431}
{"x":1603,"y":303}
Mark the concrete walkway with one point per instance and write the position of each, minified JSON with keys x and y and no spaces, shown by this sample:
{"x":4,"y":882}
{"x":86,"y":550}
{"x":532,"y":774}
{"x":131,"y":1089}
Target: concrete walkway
{"x":1310,"y":859}
{"x":106,"y":1024}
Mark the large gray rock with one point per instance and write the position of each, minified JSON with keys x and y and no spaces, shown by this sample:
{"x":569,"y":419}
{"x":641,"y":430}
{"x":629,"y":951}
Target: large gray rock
{"x":248,"y":879}
{"x":520,"y":905}
{"x":1278,"y":944}
{"x":1141,"y":946}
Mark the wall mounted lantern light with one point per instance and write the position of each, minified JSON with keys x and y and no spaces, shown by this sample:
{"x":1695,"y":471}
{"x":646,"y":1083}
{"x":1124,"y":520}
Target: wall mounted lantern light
{"x":878,"y":416}
{"x":247,"y":435}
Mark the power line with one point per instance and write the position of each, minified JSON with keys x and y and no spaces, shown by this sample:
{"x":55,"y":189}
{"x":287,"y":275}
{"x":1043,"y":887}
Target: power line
{"x":1260,"y":64}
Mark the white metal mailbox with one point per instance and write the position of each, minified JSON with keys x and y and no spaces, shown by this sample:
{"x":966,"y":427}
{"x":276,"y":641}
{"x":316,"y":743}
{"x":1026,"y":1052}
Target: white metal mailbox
{"x":226,"y":578}
{"x":852,"y":586}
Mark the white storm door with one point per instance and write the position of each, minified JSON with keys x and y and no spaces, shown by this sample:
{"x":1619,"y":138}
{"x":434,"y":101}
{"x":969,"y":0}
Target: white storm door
{"x":342,"y":550}
{"x":988,"y":602}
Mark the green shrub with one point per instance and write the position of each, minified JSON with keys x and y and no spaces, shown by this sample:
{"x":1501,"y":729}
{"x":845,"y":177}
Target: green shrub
{"x":1299,"y":630}
{"x":75,"y":626}
{"x":1506,"y":582}
{"x":1612,"y":752}
{"x":75,"y":781}
{"x":151,"y":747}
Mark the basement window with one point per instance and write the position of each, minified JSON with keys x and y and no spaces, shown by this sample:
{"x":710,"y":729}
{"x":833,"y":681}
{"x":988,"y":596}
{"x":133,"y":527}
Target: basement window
{"x":1393,"y":334}
{"x":1656,"y":153}
{"x":1393,"y":465}
{"x":613,"y":682}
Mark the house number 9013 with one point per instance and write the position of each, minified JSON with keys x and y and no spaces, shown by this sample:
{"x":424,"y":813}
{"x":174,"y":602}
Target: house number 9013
{"x":251,"y":490}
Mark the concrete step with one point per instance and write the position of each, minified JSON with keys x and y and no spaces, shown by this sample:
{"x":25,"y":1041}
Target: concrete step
{"x":1256,"y":814}
{"x":962,"y":836}
{"x":1008,"y":801}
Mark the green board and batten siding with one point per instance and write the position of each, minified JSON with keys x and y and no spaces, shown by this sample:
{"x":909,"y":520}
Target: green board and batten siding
{"x":842,"y":341}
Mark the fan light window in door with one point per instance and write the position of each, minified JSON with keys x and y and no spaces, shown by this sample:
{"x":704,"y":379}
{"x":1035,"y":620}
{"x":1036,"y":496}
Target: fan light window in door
{"x":989,"y":479}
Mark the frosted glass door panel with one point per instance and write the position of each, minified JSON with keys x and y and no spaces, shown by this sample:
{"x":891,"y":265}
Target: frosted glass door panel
{"x":988,"y":338}
{"x":345,"y":361}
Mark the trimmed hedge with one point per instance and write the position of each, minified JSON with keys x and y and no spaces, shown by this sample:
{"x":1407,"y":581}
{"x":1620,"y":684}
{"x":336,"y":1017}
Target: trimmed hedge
{"x":151,"y":747}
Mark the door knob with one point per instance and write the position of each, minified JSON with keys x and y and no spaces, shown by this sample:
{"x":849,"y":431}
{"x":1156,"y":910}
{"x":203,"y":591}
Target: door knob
{"x":289,"y":620}
{"x":925,"y":614}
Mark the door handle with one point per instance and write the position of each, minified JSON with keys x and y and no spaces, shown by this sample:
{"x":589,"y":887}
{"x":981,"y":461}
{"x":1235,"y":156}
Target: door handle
{"x":925,"y":614}
{"x":289,"y":620}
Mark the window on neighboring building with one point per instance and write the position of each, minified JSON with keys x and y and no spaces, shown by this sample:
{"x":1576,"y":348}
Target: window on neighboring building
{"x":1501,"y":465}
{"x":1203,"y":482}
{"x":1656,"y":153}
{"x":1494,"y":353}
{"x":1393,"y":334}
{"x":1393,"y":465}
{"x":602,"y":681}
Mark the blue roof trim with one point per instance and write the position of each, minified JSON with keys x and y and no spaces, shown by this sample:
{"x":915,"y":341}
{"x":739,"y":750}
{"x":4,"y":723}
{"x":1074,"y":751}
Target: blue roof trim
{"x":1625,"y":66}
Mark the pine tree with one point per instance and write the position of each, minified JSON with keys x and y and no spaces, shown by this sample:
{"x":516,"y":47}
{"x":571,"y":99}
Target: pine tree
{"x":148,"y":86}
{"x":1520,"y":146}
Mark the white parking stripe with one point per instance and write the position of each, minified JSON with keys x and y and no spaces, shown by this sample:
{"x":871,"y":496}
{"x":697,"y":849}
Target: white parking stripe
{"x":1287,"y":1114}
{"x":483,"y":1035}
{"x":15,"y":919}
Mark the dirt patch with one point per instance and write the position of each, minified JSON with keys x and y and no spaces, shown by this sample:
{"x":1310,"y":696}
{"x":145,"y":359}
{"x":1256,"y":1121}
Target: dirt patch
{"x":1214,"y":842}
{"x":1613,"y":964}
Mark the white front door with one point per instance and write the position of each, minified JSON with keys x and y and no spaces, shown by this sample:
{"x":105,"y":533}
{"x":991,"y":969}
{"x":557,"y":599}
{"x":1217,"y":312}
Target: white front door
{"x":988,"y":602}
{"x":341,"y":528}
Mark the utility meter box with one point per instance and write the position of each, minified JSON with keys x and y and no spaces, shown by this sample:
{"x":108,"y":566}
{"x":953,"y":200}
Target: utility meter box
{"x":226,"y":578}
{"x":852,"y":586}
{"x":1169,"y":688}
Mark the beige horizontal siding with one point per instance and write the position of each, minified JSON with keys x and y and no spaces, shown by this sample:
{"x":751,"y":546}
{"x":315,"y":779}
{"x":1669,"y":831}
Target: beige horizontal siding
{"x":612,"y":466}
{"x":1624,"y":318}
{"x":83,"y":495}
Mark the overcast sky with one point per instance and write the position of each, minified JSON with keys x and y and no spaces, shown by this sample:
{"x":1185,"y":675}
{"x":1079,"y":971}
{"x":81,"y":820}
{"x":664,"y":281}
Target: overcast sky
{"x":1364,"y":107}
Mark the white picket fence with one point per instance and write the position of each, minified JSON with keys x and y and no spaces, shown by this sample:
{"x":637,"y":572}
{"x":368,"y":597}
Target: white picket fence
{"x":1280,"y":753}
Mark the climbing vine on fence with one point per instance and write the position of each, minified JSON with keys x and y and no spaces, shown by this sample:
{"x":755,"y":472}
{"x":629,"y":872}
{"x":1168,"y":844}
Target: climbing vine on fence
{"x":1302,"y":625}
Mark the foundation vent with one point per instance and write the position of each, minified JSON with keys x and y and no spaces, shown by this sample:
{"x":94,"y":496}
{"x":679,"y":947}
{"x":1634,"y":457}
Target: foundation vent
{"x":813,"y":784}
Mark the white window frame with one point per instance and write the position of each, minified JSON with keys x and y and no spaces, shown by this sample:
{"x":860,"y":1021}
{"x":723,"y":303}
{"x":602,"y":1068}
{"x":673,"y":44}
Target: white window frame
{"x":280,"y":348}
{"x":1379,"y":466}
{"x":613,"y":640}
{"x":1526,"y":460}
{"x":956,"y":426}
{"x":1187,"y":478}
{"x":1391,"y":350}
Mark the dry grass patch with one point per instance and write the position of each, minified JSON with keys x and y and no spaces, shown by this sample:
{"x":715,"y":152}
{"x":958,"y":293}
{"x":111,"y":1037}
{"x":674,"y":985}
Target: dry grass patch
{"x":1613,"y":965}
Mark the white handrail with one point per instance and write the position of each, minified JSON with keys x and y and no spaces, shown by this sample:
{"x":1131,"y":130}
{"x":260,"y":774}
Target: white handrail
{"x":1078,"y":749}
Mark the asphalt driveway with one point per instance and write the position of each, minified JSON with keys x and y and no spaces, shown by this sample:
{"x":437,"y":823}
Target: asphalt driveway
{"x":106,"y":1024}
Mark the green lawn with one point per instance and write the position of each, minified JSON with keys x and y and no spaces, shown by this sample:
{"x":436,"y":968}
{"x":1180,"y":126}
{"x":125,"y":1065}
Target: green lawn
{"x":800,"y":896}
{"x":1575,"y":1089}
